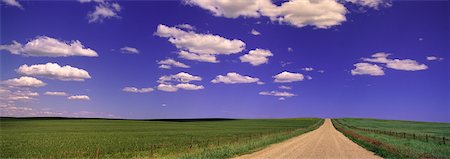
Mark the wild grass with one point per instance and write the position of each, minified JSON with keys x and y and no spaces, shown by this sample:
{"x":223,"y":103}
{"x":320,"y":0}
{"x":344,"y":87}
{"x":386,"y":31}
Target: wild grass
{"x":391,"y":146}
{"x":82,"y":138}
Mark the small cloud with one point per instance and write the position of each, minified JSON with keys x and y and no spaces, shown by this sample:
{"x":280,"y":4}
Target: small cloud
{"x":367,"y":69}
{"x":281,"y":95}
{"x":308,"y":69}
{"x":180,"y":77}
{"x":321,"y":71}
{"x":137,"y":90}
{"x":56,"y":93}
{"x":129,"y":50}
{"x":286,"y":77}
{"x":43,"y":46}
{"x":164,"y":105}
{"x":79,"y":97}
{"x":284,"y":87}
{"x":254,"y":32}
{"x":256,"y":57}
{"x":23,"y":81}
{"x":54,"y":71}
{"x":104,"y":10}
{"x":234,"y":78}
{"x":434,"y":58}
{"x":185,"y":26}
{"x":290,"y":49}
{"x":169,"y":63}
{"x":174,"y":88}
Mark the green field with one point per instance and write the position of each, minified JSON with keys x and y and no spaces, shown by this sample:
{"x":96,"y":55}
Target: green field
{"x":101,"y":138}
{"x":398,"y":139}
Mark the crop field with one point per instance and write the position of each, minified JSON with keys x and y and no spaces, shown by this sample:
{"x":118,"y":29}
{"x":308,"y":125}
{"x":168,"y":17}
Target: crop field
{"x":101,"y":138}
{"x":398,"y":139}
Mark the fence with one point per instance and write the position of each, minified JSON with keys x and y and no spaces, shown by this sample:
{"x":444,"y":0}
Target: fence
{"x":404,"y":135}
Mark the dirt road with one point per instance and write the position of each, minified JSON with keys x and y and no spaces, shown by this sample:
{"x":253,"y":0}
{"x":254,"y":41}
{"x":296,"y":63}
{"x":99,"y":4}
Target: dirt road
{"x":324,"y":142}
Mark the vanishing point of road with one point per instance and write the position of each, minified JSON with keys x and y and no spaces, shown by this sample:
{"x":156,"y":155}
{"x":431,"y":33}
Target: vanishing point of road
{"x":324,"y":142}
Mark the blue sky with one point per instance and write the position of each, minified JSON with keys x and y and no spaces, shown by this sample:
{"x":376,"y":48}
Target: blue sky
{"x":381,"y":59}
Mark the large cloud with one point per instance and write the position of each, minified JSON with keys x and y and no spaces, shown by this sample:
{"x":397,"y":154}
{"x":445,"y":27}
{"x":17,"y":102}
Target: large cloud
{"x":195,"y":46}
{"x":367,"y":69}
{"x":23,"y":81}
{"x":179,"y":77}
{"x":54,"y":71}
{"x":79,"y":97}
{"x":50,"y":47}
{"x":137,"y":90}
{"x":256,"y":57}
{"x":397,"y":64}
{"x":286,"y":77}
{"x":299,"y":13}
{"x":234,"y":78}
{"x":169,"y":63}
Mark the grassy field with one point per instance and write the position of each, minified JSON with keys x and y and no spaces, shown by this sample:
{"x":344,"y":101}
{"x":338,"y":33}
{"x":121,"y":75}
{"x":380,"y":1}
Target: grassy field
{"x":100,"y":138}
{"x":398,"y":139}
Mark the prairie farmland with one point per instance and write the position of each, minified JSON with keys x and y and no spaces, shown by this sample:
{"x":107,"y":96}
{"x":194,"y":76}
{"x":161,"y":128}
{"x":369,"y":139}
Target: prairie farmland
{"x":100,"y":138}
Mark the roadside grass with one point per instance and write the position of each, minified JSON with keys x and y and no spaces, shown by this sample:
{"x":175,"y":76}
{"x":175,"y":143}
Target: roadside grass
{"x":100,"y":138}
{"x":389,"y":146}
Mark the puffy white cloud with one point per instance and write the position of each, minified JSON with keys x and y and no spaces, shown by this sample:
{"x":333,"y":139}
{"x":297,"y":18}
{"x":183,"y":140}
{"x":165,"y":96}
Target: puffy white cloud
{"x":174,"y":88}
{"x":13,"y":3}
{"x":286,"y":77}
{"x":137,"y":90}
{"x":198,"y":57}
{"x":23,"y":81}
{"x":169,"y":63}
{"x":199,"y":47}
{"x":367,"y":69}
{"x":179,"y":77}
{"x":104,"y":10}
{"x":299,"y":13}
{"x":233,"y":78}
{"x":50,"y":47}
{"x":56,"y":93}
{"x":256,"y":57}
{"x":308,"y":69}
{"x":284,"y":87}
{"x":79,"y":97}
{"x":188,"y":86}
{"x":129,"y":50}
{"x":434,"y":58}
{"x":254,"y":32}
{"x":54,"y":71}
{"x":406,"y":65}
{"x":277,"y":94}
{"x":371,"y":3}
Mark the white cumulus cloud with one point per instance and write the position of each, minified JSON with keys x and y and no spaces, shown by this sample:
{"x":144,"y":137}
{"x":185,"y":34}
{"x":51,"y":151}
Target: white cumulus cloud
{"x":188,"y":86}
{"x":234,"y":78}
{"x":169,"y":63}
{"x":137,"y":90}
{"x":199,"y":47}
{"x":286,"y":77}
{"x":50,"y":47}
{"x":23,"y":81}
{"x":298,"y":13}
{"x":174,"y":88}
{"x":256,"y":57}
{"x":397,"y":64}
{"x":284,"y":87}
{"x":179,"y":77}
{"x":367,"y":69}
{"x":79,"y":97}
{"x":54,"y":71}
{"x":434,"y":58}
{"x":281,"y":95}
{"x":254,"y":32}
